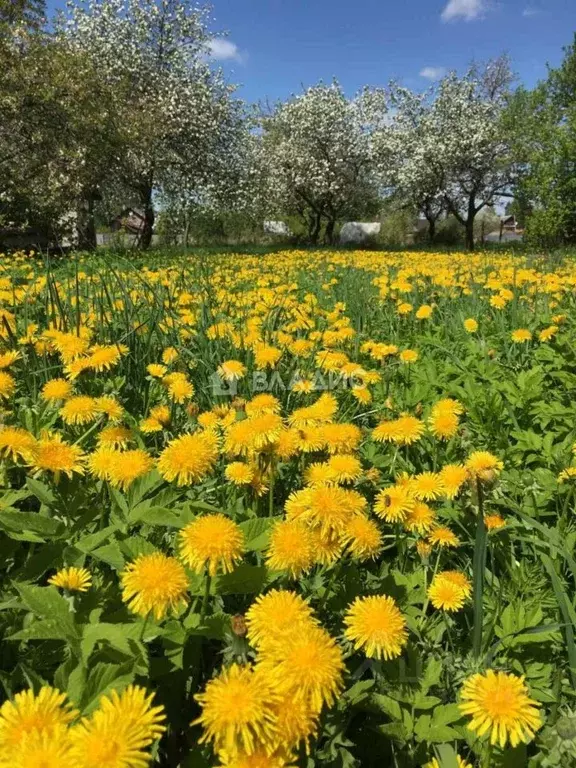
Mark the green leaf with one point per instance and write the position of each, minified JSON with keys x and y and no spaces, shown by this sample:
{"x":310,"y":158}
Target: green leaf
{"x":45,"y":629}
{"x":244,"y":580}
{"x":213,"y":627}
{"x":111,"y":554}
{"x":14,"y":520}
{"x":257,"y":532}
{"x":103,"y":679}
{"x":446,"y":714}
{"x":88,"y":543}
{"x":446,"y":756}
{"x":157,"y":516}
{"x":47,"y":603}
{"x":387,"y":705}
{"x":123,"y":637}
{"x":41,"y":491}
{"x":359,"y":691}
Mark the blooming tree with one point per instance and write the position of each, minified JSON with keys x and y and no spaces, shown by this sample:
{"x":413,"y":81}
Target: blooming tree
{"x":449,"y":148}
{"x":317,"y":148}
{"x":176,"y":117}
{"x":407,"y":159}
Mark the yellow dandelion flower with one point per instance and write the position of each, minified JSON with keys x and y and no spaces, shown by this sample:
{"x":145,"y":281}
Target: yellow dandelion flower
{"x":443,"y":424}
{"x":295,"y":721}
{"x":263,"y":403}
{"x":128,"y":466}
{"x":362,"y":394}
{"x":521,"y":335}
{"x":149,"y":426}
{"x":110,"y":407}
{"x":212,"y":542}
{"x":307,"y":660}
{"x":445,"y":594}
{"x":102,"y":358}
{"x":548,"y":333}
{"x":499,"y":704}
{"x":100,"y":462}
{"x":54,"y":455}
{"x":189,"y":458}
{"x":376,"y":625}
{"x":426,"y":486}
{"x":7,"y":385}
{"x":114,"y":437}
{"x":17,"y":443}
{"x":494,"y":522}
{"x":471,"y":325}
{"x":154,"y":584}
{"x":79,"y":410}
{"x":290,"y":548}
{"x":157,"y":370}
{"x":453,"y":477}
{"x":179,"y":388}
{"x":73,"y":579}
{"x":443,"y":537}
{"x":239,"y":473}
{"x":29,"y":713}
{"x":483,"y":466}
{"x":232,"y":370}
{"x":169,"y":355}
{"x":420,"y":519}
{"x":408,"y":356}
{"x":237,"y":710}
{"x":340,"y":438}
{"x":403,"y":431}
{"x":118,"y":733}
{"x":424,"y":312}
{"x":363,"y":538}
{"x":460,"y":579}
{"x":344,"y":468}
{"x":394,"y":504}
{"x":266,"y":356}
{"x":273,"y":615}
{"x":48,"y":749}
{"x":8,"y":358}
{"x":56,"y":389}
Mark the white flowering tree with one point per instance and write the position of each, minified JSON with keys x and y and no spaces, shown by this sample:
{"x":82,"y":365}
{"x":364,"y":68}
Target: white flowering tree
{"x":406,"y":157}
{"x":449,"y":148}
{"x":317,"y":149}
{"x":176,"y":118}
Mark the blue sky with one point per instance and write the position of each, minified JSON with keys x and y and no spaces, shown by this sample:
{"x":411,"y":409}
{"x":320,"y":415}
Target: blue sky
{"x":274,"y":47}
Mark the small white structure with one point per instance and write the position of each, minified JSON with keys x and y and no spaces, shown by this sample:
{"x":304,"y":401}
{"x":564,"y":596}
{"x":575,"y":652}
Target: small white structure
{"x":279,"y":228}
{"x":359,"y":231}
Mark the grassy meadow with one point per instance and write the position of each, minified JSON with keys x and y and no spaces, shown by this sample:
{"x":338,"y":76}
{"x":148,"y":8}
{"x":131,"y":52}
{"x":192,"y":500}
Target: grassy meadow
{"x":304,"y":508}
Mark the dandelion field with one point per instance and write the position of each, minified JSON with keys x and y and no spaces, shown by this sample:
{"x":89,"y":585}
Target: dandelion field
{"x":305,"y":508}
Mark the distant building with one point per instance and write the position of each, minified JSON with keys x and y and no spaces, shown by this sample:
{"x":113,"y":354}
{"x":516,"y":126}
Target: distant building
{"x":507,"y":232}
{"x":279,"y":228}
{"x":130,"y":220}
{"x":358,"y":232}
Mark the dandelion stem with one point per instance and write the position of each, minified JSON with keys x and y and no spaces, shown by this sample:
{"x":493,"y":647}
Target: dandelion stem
{"x":206,"y":597}
{"x":479,"y":567}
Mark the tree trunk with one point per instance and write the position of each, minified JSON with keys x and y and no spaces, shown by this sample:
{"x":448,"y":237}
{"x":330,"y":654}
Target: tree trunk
{"x":469,"y":225}
{"x":431,"y":230}
{"x":85,"y":225}
{"x":470,"y":233}
{"x":315,"y":231}
{"x":149,"y":219}
{"x":329,"y":235}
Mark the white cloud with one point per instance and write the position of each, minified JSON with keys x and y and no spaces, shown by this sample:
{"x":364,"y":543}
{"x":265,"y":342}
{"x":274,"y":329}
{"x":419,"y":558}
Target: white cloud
{"x":433,"y":73}
{"x":222,"y":49}
{"x":463,"y":9}
{"x":528,"y":11}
